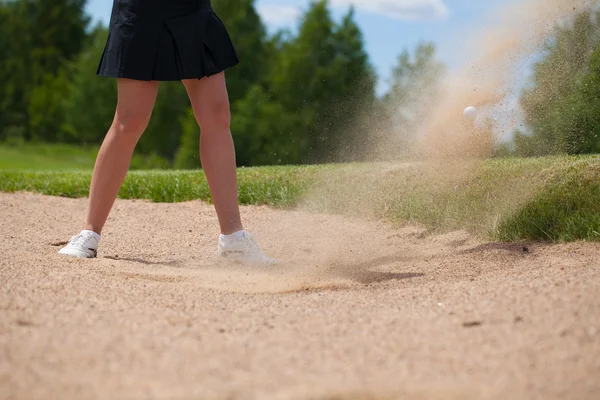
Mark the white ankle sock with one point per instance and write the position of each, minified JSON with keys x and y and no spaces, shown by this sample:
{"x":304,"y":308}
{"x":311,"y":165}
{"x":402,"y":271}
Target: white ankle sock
{"x":94,"y":234}
{"x":234,"y":237}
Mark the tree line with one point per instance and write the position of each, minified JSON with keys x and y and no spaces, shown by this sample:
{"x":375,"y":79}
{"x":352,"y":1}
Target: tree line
{"x":296,"y":97}
{"x":562,"y":103}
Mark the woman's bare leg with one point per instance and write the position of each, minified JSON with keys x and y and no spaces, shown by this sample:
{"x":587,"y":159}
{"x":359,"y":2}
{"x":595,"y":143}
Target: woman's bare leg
{"x":134,"y":107}
{"x":210,"y":103}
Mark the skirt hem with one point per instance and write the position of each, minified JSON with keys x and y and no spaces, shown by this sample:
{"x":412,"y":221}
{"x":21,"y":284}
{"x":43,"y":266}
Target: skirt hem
{"x":125,"y":75}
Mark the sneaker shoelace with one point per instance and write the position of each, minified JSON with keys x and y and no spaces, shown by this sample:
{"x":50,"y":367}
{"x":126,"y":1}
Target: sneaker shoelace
{"x":79,"y":240}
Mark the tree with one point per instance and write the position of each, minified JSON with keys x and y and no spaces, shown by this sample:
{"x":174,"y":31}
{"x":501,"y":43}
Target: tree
{"x":266,"y":133}
{"x":44,"y":36}
{"x":556,"y":108}
{"x":14,"y":83}
{"x":587,"y":136}
{"x":92,"y":103}
{"x":344,"y":117}
{"x":319,"y":76}
{"x":249,"y":37}
{"x":57,"y":31}
{"x":397,"y":116}
{"x":414,"y":82}
{"x":48,"y":109}
{"x":8,"y":121}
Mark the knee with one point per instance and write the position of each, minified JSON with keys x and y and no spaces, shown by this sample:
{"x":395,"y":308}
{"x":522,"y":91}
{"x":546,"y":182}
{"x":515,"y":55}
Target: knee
{"x":130,"y":126}
{"x":216,"y":115}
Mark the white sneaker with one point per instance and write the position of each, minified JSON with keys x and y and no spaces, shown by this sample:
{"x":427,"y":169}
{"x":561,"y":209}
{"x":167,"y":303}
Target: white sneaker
{"x":83,"y":245}
{"x":243,"y":251}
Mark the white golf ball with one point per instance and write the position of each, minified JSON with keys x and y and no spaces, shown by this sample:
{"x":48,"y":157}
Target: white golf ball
{"x":470,"y":112}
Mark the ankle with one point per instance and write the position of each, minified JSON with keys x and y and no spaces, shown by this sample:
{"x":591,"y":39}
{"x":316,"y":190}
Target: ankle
{"x":232,"y":238}
{"x":231,"y":229}
{"x":95,"y":234}
{"x":93,"y":228}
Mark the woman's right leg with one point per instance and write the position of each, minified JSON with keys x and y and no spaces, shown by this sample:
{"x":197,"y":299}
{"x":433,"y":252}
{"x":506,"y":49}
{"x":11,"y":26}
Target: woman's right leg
{"x":134,"y":107}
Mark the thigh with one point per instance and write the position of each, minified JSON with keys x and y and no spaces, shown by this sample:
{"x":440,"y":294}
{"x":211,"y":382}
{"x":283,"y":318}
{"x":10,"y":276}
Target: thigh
{"x":208,"y":95}
{"x":135,"y":99}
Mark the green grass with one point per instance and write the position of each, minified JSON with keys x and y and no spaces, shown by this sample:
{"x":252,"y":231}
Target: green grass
{"x":60,"y":157}
{"x":46,"y":157}
{"x":566,"y":208}
{"x":555,"y":198}
{"x":273,"y":186}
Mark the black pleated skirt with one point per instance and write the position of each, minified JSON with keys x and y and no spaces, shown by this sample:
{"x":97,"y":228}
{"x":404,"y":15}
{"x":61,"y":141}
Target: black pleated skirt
{"x":166,"y":40}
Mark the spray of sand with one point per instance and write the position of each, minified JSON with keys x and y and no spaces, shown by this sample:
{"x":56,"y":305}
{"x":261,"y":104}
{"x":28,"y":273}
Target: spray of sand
{"x":341,"y":251}
{"x":499,"y":56}
{"x":448,"y":146}
{"x":446,"y":150}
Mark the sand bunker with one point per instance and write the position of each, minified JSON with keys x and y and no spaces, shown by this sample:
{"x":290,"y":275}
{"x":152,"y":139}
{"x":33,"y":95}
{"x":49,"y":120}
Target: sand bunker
{"x":357,"y":310}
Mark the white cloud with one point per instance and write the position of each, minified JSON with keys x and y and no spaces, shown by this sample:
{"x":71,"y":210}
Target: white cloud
{"x":411,"y":10}
{"x":275,"y":14}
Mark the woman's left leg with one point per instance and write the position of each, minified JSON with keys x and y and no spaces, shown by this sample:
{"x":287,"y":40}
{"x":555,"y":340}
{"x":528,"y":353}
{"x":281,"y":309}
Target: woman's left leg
{"x":210,"y":103}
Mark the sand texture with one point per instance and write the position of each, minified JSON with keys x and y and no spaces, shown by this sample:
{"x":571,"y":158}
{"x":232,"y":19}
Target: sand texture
{"x":355,"y":310}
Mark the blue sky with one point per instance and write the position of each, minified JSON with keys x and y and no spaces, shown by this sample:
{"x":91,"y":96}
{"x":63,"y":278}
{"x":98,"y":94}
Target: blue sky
{"x":388,"y":26}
